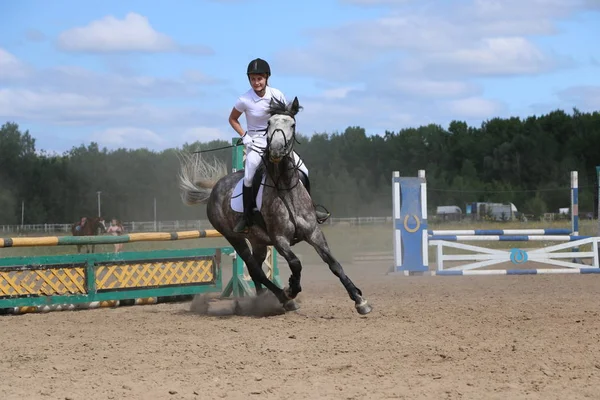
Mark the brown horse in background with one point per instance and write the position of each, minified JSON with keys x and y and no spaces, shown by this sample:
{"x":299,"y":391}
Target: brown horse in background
{"x":88,"y":226}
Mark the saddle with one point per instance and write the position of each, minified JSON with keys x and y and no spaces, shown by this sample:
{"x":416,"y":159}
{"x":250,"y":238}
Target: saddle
{"x":258,"y":181}
{"x":237,"y":204}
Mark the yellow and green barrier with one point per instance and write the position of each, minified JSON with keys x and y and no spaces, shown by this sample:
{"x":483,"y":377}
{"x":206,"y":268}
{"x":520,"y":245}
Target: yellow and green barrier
{"x":59,"y":282}
{"x":90,"y":280}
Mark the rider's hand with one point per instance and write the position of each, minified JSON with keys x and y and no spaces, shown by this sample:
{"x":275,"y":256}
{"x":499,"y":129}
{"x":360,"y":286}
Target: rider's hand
{"x":247,"y":140}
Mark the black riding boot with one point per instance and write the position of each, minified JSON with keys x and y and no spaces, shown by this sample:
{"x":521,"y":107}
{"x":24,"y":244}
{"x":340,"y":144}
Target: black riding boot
{"x":321,"y":216}
{"x":244,"y":222}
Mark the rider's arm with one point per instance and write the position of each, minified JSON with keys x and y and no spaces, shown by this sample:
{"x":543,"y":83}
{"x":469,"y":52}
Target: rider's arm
{"x":234,"y":121}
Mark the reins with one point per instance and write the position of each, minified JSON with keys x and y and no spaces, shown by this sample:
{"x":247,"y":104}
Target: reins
{"x":295,"y":167}
{"x":264,"y":160}
{"x":239,"y":143}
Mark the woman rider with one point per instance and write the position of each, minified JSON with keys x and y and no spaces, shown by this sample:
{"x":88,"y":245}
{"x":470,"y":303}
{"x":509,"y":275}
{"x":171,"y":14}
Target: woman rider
{"x":255,"y":103}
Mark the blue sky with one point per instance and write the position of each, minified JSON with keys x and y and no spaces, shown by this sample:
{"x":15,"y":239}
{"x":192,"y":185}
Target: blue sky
{"x":159,"y":74}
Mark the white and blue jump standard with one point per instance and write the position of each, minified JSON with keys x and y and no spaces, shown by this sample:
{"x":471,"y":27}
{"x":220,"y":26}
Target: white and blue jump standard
{"x":412,"y":240}
{"x":410,"y":224}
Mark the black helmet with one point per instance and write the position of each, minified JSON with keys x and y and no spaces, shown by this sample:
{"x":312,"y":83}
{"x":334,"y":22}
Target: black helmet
{"x":258,"y":66}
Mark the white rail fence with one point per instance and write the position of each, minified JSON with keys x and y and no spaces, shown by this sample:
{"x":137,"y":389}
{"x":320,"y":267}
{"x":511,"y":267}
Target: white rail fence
{"x":171,"y":226}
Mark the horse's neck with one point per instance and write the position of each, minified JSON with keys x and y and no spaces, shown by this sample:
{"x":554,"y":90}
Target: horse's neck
{"x":94,"y":225}
{"x":283,"y":175}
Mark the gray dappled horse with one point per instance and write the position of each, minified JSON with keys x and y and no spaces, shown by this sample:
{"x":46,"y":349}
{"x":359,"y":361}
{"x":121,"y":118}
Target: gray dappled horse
{"x":287,"y":214}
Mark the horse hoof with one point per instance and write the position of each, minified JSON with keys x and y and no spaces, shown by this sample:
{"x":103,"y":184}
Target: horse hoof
{"x":364,"y":308}
{"x":291,"y":306}
{"x":288,"y":293}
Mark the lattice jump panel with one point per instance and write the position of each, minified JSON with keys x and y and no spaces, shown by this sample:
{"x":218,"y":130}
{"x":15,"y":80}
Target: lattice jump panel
{"x":154,"y":273}
{"x":53,"y":280}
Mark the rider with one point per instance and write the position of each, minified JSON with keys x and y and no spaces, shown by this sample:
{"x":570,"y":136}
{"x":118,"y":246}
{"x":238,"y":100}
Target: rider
{"x":81,"y":223}
{"x":255,"y":103}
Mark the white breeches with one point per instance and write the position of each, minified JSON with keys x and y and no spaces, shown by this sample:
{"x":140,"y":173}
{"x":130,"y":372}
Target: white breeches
{"x":253,"y":161}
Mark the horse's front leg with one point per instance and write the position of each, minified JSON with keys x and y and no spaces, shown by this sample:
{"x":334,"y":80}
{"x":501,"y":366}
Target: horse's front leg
{"x":255,"y":270}
{"x":294,"y":288}
{"x":318,"y":241}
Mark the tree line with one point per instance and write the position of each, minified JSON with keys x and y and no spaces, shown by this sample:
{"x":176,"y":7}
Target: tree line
{"x":523,"y":161}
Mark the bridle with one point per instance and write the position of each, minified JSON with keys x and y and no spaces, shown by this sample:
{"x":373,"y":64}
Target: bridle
{"x":265,"y":159}
{"x":289,"y":148}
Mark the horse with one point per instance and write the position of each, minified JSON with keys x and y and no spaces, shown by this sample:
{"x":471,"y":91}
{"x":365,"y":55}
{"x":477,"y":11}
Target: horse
{"x":88,"y":226}
{"x":287,"y":214}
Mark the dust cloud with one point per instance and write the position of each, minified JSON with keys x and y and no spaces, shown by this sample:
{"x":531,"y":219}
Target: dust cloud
{"x":210,"y":304}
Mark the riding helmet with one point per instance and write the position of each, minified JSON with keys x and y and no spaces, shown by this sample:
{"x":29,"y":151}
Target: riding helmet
{"x":259,"y":66}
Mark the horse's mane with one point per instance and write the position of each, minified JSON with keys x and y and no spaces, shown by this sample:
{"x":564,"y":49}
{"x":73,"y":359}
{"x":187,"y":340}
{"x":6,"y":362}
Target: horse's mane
{"x":278,"y":107}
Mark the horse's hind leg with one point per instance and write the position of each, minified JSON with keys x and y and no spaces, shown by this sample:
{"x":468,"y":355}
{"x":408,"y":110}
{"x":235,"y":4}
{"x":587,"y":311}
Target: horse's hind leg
{"x":259,"y":253}
{"x":318,"y":241}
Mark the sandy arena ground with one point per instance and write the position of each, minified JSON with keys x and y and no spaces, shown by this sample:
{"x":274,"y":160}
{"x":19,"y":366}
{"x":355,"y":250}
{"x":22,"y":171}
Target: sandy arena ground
{"x":501,"y":337}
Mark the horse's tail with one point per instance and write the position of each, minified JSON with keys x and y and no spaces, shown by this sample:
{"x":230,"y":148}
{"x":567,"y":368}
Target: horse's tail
{"x":197,"y":178}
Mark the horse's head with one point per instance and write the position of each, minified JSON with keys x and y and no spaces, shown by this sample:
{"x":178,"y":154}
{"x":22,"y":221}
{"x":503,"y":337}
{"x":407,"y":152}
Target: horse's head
{"x":281,"y":129}
{"x":101,"y":224}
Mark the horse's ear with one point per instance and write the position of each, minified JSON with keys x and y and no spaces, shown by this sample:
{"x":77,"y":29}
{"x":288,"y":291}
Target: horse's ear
{"x":295,"y":106}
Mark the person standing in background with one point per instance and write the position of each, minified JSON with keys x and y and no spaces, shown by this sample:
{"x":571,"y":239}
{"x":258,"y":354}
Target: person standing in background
{"x":116,"y":229}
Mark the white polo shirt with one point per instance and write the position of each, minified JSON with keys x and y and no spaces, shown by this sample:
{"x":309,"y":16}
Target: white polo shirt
{"x":256,"y":109}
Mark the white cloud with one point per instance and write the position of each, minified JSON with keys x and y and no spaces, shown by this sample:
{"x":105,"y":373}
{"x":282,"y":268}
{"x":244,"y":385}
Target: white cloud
{"x":48,"y":105}
{"x":428,"y":88}
{"x":419,"y":62}
{"x":474,"y":107}
{"x":423,"y":62}
{"x":338,"y":92}
{"x":584,"y":97}
{"x":10,"y":67}
{"x":591,"y":4}
{"x":71,"y":108}
{"x":136,"y":137}
{"x":529,"y":9}
{"x":378,"y":112}
{"x":437,"y":36}
{"x":375,"y":2}
{"x":204,"y":134}
{"x":131,"y":34}
{"x":495,"y":56}
{"x":439,"y":44}
{"x":110,"y":84}
{"x":321,"y":114}
{"x":195,"y":76}
{"x":128,"y":136}
{"x":71,"y":95}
